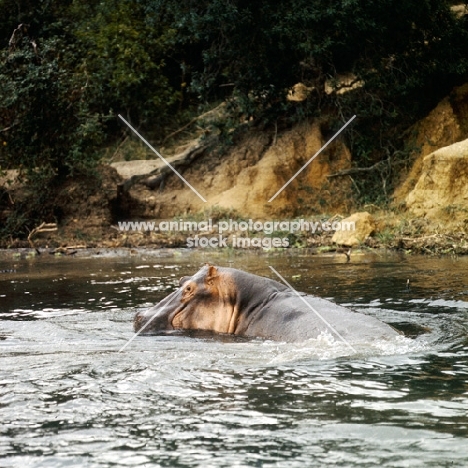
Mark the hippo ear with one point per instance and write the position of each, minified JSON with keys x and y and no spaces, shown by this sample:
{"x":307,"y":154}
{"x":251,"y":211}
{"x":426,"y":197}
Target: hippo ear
{"x":183,"y":280}
{"x":211,"y":274}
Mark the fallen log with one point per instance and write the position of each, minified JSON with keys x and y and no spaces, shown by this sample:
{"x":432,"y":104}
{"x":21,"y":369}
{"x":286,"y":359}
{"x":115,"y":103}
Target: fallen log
{"x":157,"y":177}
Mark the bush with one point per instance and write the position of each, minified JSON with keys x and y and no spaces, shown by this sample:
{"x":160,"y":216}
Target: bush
{"x":47,"y":126}
{"x":48,"y":132}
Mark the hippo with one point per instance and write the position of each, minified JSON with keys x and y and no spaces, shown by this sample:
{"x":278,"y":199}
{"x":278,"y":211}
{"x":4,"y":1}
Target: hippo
{"x":229,"y":301}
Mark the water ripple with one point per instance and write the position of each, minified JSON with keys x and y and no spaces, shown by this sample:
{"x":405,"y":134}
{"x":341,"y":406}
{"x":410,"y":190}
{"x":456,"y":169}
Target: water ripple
{"x":68,"y":398}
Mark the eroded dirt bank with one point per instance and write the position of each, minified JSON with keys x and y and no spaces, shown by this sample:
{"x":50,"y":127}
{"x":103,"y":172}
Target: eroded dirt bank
{"x":429,"y":213}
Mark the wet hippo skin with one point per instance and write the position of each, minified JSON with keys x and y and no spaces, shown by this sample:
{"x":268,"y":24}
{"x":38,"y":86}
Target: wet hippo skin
{"x":225,"y":300}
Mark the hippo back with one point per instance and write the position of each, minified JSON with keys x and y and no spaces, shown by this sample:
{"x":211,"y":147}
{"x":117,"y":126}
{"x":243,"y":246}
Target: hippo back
{"x":287,"y":318}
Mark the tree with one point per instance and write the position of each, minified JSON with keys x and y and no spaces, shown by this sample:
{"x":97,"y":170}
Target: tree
{"x":124,"y":59}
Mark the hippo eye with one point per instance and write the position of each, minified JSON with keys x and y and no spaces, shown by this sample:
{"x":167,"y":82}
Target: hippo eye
{"x":188,"y":288}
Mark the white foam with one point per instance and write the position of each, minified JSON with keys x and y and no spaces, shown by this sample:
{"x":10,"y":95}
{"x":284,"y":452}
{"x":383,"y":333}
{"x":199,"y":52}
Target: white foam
{"x":325,"y":347}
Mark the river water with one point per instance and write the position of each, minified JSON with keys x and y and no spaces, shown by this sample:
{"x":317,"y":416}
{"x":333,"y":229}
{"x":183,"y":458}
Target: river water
{"x":69,"y":398}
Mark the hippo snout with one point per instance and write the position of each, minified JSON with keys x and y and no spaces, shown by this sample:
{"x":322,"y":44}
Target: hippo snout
{"x":138,"y":321}
{"x":151,"y":321}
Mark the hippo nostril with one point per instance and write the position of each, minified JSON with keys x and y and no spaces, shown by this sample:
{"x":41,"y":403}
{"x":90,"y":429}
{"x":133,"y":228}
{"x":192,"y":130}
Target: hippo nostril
{"x":137,"y":322}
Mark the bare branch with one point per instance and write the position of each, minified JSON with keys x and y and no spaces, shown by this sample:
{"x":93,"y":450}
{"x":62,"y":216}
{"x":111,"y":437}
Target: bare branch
{"x":357,"y":170}
{"x":210,"y":113}
{"x":44,"y":227}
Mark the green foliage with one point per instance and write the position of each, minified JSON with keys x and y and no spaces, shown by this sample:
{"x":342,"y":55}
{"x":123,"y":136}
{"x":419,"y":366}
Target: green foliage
{"x":125,"y":61}
{"x":261,"y":48}
{"x":48,"y":128}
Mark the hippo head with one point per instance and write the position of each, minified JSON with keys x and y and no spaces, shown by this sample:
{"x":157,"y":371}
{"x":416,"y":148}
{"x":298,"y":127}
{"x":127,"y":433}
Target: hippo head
{"x":204,"y":301}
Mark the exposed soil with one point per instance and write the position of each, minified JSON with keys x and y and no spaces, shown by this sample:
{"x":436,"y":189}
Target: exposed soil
{"x":238,"y":182}
{"x":89,"y":220}
{"x":89,"y":214}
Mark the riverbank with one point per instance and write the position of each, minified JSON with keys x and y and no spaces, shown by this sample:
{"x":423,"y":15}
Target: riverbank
{"x":392,"y":231}
{"x":425,"y":206}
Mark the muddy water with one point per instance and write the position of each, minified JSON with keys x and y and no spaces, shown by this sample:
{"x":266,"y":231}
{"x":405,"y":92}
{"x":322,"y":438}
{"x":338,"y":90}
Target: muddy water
{"x":68,"y":398}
